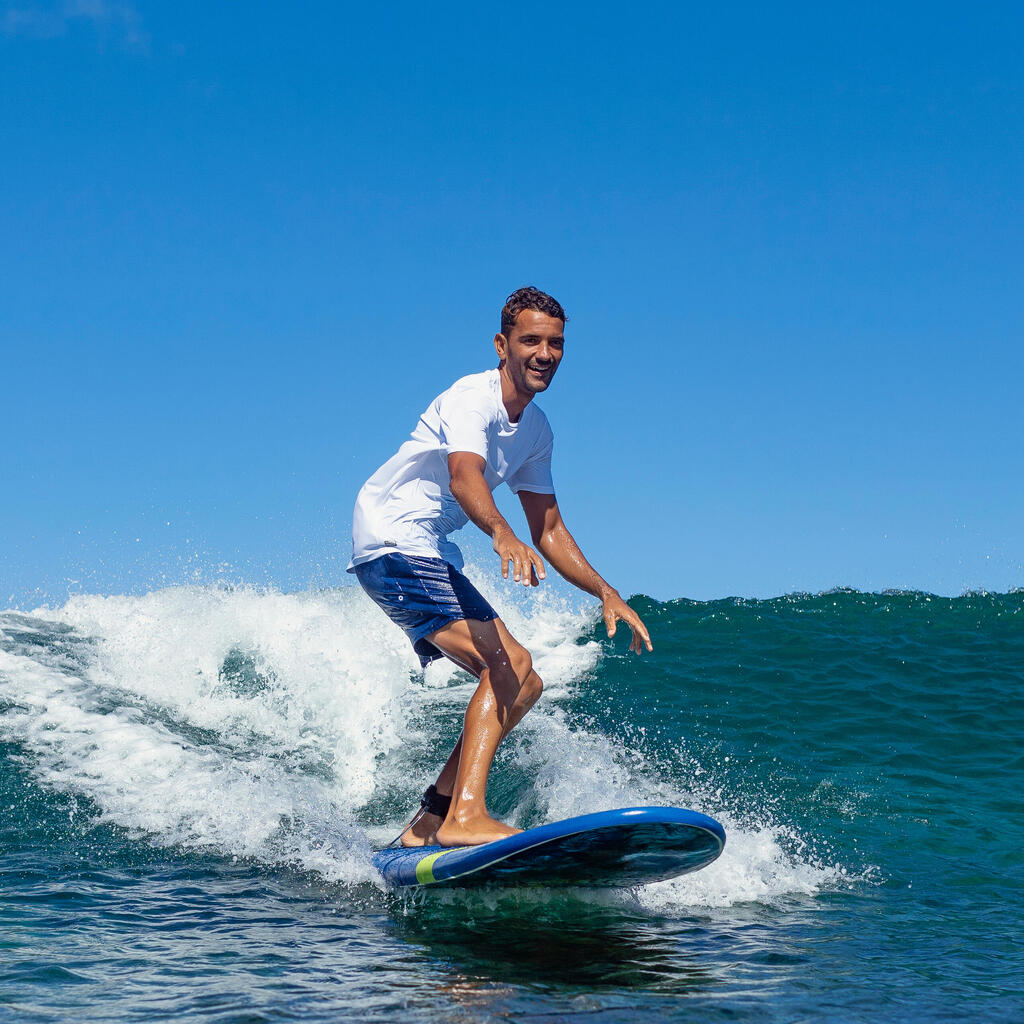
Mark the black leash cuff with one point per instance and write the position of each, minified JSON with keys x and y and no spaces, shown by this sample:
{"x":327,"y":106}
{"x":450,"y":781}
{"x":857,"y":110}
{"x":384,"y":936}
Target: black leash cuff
{"x":434,"y":803}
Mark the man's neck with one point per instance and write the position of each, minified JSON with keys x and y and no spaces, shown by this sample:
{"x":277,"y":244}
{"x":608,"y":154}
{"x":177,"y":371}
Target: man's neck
{"x":514,"y":401}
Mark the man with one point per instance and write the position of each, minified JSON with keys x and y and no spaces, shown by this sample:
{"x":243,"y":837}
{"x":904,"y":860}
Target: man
{"x":483,"y":431}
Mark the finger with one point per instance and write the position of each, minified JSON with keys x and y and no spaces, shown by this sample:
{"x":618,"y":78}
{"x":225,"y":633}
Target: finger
{"x":641,"y":629}
{"x":504,"y":566}
{"x":609,"y":624}
{"x":634,"y":639}
{"x":518,"y":566}
{"x":640,"y":634}
{"x":539,"y":563}
{"x":534,"y":582}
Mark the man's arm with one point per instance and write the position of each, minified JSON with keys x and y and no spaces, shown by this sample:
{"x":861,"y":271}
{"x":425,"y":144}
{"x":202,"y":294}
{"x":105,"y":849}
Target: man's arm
{"x":470,"y":490}
{"x":557,"y":545}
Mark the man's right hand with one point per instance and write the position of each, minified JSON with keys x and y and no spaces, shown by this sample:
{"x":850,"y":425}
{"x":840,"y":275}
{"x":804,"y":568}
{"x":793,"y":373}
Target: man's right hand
{"x":526,"y":563}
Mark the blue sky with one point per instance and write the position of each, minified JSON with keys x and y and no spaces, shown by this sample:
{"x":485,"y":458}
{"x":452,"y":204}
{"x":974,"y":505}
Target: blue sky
{"x":242,"y":249}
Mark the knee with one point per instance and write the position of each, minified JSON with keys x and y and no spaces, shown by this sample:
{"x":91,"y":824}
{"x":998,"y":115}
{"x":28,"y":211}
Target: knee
{"x":511,"y":660}
{"x":531,"y":689}
{"x":522,"y":663}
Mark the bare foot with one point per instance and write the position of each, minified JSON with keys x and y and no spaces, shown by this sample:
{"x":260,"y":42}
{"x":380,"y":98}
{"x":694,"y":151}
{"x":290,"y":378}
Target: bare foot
{"x":423,"y":831}
{"x":474,"y":831}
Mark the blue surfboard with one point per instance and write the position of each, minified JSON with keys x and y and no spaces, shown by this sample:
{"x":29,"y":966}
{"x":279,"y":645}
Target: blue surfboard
{"x":616,"y":849}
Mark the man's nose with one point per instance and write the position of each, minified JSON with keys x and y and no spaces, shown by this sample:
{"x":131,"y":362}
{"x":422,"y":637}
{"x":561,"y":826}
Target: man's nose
{"x":544,"y":353}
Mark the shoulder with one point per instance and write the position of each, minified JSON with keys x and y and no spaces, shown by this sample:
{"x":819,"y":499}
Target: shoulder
{"x":485,"y":383}
{"x":540,"y":428}
{"x":476,"y":390}
{"x":534,"y":415}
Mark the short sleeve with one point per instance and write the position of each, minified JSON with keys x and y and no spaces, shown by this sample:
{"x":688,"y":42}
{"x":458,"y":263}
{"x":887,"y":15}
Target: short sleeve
{"x":464,"y":421}
{"x":534,"y":474}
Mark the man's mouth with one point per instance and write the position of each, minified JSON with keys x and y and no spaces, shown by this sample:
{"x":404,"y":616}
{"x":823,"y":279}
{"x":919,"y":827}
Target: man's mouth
{"x":539,"y":369}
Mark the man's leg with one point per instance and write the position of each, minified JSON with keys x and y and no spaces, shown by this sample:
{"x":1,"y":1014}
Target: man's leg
{"x":423,"y":830}
{"x":508,"y":687}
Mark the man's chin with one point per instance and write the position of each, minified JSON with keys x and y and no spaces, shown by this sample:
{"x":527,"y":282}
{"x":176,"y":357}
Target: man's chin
{"x":537,"y":385}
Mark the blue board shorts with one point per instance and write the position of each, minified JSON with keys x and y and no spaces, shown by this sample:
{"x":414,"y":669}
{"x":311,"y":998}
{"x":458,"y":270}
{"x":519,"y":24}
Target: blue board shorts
{"x":422,"y":595}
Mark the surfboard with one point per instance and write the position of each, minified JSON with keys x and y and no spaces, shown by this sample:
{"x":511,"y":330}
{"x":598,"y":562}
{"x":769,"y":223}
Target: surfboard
{"x":614,"y":849}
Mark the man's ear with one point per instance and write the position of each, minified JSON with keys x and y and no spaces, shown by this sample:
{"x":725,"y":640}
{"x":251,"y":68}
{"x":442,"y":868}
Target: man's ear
{"x":501,"y":346}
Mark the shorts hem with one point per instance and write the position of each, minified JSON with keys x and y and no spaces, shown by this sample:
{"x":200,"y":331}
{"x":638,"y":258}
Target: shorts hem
{"x":422,"y":595}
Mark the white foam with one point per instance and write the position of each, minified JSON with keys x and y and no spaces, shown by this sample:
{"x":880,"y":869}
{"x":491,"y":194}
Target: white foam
{"x":275,"y":763}
{"x":590,"y":774}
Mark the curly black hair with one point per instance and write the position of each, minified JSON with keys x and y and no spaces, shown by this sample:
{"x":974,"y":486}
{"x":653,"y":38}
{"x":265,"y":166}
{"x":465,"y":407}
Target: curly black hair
{"x":529,"y":298}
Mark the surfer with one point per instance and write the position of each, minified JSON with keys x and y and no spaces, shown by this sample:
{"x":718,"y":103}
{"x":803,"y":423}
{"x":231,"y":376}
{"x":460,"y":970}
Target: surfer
{"x":483,"y":431}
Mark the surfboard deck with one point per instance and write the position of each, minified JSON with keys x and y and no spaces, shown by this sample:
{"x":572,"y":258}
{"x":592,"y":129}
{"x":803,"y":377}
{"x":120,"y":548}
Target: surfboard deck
{"x":612,"y":849}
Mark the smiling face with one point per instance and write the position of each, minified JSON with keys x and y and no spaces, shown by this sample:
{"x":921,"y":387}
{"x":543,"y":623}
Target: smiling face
{"x":530,"y":353}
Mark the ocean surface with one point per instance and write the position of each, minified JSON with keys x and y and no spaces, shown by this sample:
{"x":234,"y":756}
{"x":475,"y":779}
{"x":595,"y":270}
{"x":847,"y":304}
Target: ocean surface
{"x":192,"y":782}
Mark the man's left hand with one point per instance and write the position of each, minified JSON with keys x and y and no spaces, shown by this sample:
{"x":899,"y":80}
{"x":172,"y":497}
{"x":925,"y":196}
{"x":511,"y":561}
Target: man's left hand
{"x":615,"y":609}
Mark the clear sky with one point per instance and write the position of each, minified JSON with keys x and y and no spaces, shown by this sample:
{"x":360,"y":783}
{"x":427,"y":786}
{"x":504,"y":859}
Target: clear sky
{"x":243,"y":246}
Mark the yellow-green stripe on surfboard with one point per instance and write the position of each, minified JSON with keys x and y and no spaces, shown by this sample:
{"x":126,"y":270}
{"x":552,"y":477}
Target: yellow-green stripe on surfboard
{"x":425,"y":868}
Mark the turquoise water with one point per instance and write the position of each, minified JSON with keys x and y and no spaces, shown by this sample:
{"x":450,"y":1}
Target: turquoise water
{"x":192,"y":781}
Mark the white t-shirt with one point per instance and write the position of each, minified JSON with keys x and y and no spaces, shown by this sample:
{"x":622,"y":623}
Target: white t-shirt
{"x":407,"y":505}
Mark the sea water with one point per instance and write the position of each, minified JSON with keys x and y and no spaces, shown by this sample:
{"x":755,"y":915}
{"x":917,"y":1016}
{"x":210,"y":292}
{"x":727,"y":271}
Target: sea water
{"x":192,"y":782}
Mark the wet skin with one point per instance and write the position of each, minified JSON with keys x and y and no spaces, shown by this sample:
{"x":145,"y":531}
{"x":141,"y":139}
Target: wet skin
{"x":507,"y":684}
